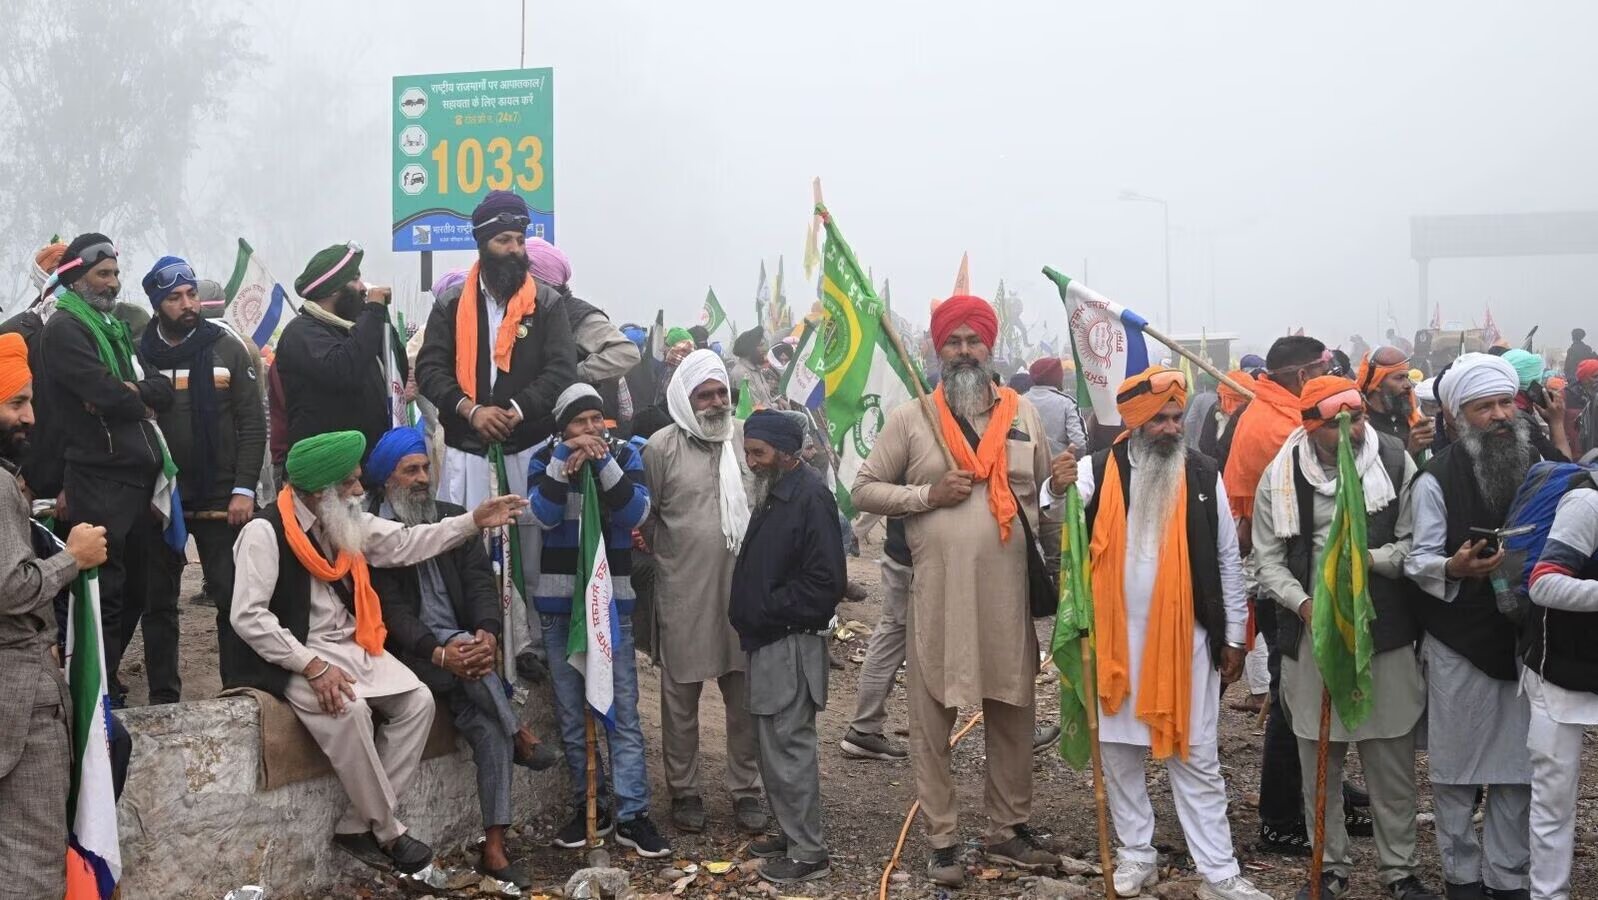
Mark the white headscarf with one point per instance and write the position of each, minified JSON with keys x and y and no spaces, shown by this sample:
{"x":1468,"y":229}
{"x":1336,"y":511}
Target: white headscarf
{"x":1377,"y":484}
{"x":697,"y":368}
{"x":1474,"y":376}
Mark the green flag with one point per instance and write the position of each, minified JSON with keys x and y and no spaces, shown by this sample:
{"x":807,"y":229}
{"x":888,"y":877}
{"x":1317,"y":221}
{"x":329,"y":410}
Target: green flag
{"x":1341,"y":617}
{"x":712,"y":316}
{"x":1072,"y":622}
{"x":746,"y":401}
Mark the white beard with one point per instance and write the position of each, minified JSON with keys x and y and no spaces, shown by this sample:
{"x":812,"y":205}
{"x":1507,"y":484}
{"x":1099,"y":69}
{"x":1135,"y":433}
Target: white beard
{"x":340,"y":519}
{"x":968,"y":389}
{"x":413,"y":507}
{"x":1156,"y":478}
{"x":716,"y":425}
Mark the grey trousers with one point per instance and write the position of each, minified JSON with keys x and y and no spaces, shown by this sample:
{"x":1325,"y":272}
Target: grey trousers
{"x":1506,"y":834}
{"x":1390,"y":778}
{"x":484,"y":716}
{"x":679,"y":736}
{"x":788,"y":681}
{"x":885,"y":652}
{"x":33,"y":831}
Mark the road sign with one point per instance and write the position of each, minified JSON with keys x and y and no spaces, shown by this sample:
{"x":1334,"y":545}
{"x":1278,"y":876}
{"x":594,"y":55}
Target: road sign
{"x":459,"y":135}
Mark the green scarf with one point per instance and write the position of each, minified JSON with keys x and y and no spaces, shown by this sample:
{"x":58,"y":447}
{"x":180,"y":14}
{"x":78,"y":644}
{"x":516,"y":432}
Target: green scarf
{"x":111,"y":336}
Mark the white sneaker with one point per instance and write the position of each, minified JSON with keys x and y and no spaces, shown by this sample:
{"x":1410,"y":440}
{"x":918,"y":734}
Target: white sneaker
{"x":1235,"y":888}
{"x":1132,"y":877}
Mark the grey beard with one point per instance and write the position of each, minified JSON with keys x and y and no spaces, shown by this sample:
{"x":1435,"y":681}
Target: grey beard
{"x":102,"y":302}
{"x":1499,"y":465}
{"x":761,"y":487}
{"x":413,"y":506}
{"x":1155,"y":480}
{"x":339,"y":518}
{"x":968,"y":388}
{"x":717,"y":424}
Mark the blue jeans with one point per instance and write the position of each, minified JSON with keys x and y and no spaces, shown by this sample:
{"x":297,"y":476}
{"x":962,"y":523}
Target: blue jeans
{"x":631,"y":778}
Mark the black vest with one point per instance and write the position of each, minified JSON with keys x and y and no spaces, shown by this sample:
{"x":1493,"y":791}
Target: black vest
{"x":1560,"y":645}
{"x":1394,"y":598}
{"x":1471,"y":626}
{"x":291,"y":604}
{"x":1203,"y":535}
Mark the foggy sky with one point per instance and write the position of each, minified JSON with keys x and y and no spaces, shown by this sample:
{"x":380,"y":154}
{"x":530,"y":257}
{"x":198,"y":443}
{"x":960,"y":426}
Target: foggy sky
{"x":1292,"y":145}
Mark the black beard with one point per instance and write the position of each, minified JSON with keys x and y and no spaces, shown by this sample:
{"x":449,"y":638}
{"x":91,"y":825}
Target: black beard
{"x":184,"y":324}
{"x":13,"y":442}
{"x":1400,"y":406}
{"x":504,"y":275}
{"x":347,"y":305}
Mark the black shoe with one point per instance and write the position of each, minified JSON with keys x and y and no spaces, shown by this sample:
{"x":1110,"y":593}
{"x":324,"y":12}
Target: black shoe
{"x":860,"y":745}
{"x":944,"y":867}
{"x":748,"y":815}
{"x":532,"y":666}
{"x":1332,"y":886}
{"x":575,"y":833}
{"x":1357,"y":822}
{"x":1505,"y":893}
{"x":642,"y":835}
{"x":688,"y":814}
{"x":409,"y":854}
{"x":541,"y":757}
{"x":1472,"y":891}
{"x":1285,"y":842}
{"x":769,"y":846}
{"x":791,"y":871}
{"x":1411,"y":888}
{"x":365,"y":848}
{"x":518,"y":872}
{"x":1044,"y":737}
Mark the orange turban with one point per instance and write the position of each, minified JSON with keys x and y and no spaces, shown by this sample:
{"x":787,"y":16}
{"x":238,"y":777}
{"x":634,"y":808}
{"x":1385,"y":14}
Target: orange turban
{"x":1372,"y":373}
{"x":964,"y":309}
{"x":1229,"y":399}
{"x":1325,"y":397}
{"x":14,"y":372}
{"x":1146,"y":393}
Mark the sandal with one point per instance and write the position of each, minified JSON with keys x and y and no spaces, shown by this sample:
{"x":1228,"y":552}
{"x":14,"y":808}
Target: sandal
{"x":517,"y":873}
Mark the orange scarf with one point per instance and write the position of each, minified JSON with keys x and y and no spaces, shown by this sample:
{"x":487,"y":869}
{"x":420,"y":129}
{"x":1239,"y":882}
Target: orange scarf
{"x":989,"y":462}
{"x":1165,"y":685}
{"x":520,"y":306}
{"x":1260,"y":433}
{"x":369,"y":629}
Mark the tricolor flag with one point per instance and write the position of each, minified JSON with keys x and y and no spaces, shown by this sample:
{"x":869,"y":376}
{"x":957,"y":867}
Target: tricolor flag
{"x":593,"y":631}
{"x":1341,"y":615}
{"x":505,"y":552}
{"x":94,"y":857}
{"x":1106,"y":343}
{"x":801,"y":380}
{"x":712,"y":316}
{"x":166,"y":502}
{"x":257,"y":306}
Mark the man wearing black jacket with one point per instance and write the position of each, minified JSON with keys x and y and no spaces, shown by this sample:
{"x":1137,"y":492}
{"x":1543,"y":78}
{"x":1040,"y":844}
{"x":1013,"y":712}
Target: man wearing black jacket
{"x":785,"y":587}
{"x":330,"y":358}
{"x":101,"y":408}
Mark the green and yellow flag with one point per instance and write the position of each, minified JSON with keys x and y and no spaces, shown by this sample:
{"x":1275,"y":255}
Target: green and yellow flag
{"x":1340,"y":621}
{"x":713,"y":316}
{"x":1072,"y":622}
{"x":746,"y":401}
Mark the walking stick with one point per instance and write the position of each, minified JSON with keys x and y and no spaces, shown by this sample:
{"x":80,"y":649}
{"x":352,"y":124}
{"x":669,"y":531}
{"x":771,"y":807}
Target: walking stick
{"x":597,"y":857}
{"x":1320,"y":794}
{"x":1090,"y":662}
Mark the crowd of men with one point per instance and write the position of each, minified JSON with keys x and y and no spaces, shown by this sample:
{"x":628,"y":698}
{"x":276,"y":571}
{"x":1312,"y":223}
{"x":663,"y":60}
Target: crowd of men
{"x":346,"y":560}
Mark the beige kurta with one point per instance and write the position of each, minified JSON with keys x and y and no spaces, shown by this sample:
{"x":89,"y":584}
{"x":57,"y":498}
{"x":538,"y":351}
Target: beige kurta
{"x":694,"y":638}
{"x":969,"y":617}
{"x":331,"y":634}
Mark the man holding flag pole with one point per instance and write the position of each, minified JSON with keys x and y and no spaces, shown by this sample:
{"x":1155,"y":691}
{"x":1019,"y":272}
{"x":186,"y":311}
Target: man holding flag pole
{"x":1336,"y":479}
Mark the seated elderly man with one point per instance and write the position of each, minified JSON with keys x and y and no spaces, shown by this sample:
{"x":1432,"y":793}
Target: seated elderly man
{"x":304,"y":604}
{"x":443,"y":618}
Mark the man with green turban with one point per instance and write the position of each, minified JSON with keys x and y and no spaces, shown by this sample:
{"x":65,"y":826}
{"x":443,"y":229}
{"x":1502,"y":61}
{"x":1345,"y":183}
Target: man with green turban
{"x":312,"y":626}
{"x":1542,"y":410}
{"x":329,"y":367}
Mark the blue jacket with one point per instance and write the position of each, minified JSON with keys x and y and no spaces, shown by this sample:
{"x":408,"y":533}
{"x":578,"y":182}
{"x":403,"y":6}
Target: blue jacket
{"x":790,"y":573}
{"x":623,"y":503}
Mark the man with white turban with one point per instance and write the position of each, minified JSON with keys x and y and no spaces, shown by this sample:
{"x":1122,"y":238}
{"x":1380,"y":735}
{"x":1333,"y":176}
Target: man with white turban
{"x":699,"y":485}
{"x":1476,"y":718}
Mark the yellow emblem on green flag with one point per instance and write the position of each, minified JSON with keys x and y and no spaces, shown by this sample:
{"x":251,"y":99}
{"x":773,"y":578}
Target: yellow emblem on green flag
{"x":1340,"y":620}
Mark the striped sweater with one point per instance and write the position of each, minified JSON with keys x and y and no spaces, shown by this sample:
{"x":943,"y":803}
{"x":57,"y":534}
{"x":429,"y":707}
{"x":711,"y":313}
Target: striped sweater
{"x":623,"y":503}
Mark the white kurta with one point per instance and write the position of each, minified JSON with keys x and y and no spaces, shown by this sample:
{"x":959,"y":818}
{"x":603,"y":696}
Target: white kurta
{"x":1141,"y":568}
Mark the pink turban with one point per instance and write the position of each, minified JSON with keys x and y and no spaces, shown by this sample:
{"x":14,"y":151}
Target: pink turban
{"x":548,"y":264}
{"x":964,"y":310}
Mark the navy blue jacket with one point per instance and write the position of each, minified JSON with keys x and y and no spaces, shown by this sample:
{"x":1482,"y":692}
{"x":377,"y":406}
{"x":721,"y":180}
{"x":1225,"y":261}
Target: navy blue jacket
{"x":790,"y":573}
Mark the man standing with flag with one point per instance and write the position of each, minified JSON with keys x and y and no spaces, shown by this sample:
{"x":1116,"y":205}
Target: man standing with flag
{"x":1293,"y":514}
{"x":972,"y":641}
{"x":101,"y":403}
{"x":555,"y":491}
{"x":1169,"y":618}
{"x":216,"y":429}
{"x":35,"y":744}
{"x":785,"y":590}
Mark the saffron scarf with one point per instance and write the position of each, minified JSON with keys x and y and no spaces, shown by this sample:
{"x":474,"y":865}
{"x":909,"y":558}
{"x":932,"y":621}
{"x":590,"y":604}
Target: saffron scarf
{"x":369,"y":629}
{"x":521,"y":305}
{"x":988,"y":461}
{"x":1165,"y":685}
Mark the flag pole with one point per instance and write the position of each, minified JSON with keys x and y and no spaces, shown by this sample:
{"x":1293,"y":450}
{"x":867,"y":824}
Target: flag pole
{"x":1319,"y":845}
{"x":1090,"y":662}
{"x":921,"y":392}
{"x":596,"y":856}
{"x":1195,"y":359}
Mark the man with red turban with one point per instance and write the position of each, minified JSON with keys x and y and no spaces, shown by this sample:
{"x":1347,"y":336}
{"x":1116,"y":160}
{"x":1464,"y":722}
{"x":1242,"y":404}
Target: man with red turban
{"x":963,"y":468}
{"x":1581,"y":413}
{"x":1170,"y":613}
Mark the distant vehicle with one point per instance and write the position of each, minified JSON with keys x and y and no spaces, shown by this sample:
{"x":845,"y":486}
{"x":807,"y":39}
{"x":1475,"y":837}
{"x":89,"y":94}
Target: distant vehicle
{"x":414,"y":101}
{"x":414,"y":178}
{"x":1436,"y":347}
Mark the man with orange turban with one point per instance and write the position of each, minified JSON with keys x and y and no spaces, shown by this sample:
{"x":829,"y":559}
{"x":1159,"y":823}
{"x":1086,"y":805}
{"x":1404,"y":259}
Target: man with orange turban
{"x":304,"y":606}
{"x":1293,"y":517}
{"x":1170,"y":615}
{"x":1383,"y":378}
{"x":35,"y":746}
{"x":965,"y":470}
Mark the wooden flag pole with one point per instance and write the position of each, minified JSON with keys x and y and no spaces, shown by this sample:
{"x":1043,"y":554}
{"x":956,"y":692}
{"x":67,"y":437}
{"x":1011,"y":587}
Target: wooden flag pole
{"x":1195,"y":359}
{"x":1319,"y":844}
{"x":596,"y":856}
{"x":1090,"y":662}
{"x":921,"y":393}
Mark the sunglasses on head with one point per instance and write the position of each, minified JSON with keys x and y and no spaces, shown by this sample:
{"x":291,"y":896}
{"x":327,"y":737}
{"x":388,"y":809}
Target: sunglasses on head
{"x":92,"y":255}
{"x":505,"y":222}
{"x":1349,"y":401}
{"x":1161,"y":382}
{"x":171,"y":275}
